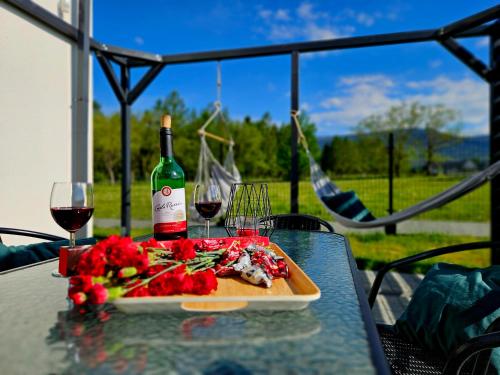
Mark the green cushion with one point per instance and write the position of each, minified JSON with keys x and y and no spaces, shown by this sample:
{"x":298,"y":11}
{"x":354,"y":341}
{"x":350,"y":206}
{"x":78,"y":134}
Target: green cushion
{"x":451,"y":305}
{"x":22,"y":255}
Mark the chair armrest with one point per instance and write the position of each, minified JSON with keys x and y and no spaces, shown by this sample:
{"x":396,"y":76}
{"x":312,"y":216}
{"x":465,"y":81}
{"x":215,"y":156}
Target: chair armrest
{"x":481,"y":345}
{"x":421,"y":256}
{"x":30,"y":233}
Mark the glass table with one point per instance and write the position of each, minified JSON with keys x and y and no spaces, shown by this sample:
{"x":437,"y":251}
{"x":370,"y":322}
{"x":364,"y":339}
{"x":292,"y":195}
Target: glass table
{"x":335,"y":334}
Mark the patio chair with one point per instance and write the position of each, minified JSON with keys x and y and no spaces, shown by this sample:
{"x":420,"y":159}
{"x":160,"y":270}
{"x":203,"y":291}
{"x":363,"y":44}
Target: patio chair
{"x":299,"y":222}
{"x":404,"y":357}
{"x":23,"y":255}
{"x":29,"y":233}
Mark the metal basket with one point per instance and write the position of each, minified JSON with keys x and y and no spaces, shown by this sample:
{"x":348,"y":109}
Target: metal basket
{"x":249,"y":211}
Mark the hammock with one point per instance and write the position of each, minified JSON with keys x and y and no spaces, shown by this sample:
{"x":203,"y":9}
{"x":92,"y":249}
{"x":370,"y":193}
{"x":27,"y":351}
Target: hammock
{"x":348,"y":210}
{"x":210,"y":171}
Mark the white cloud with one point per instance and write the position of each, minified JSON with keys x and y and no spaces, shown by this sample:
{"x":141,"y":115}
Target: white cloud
{"x":282,"y":32}
{"x":363,"y":95}
{"x":468,"y":96}
{"x":139,"y":40}
{"x":306,"y":12}
{"x":435,"y":63}
{"x":265,"y":13}
{"x":308,"y":24}
{"x":483,"y":42}
{"x":282,"y":15}
{"x":367,"y":19}
{"x":315,"y":32}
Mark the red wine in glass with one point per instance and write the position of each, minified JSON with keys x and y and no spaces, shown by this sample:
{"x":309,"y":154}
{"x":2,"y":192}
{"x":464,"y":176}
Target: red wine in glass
{"x":208,"y":209}
{"x":71,"y":206}
{"x":207,"y":201}
{"x":71,"y":218}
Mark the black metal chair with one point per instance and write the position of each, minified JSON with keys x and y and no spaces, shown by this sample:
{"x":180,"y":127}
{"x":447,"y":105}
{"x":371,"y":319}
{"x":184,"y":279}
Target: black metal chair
{"x":299,"y":222}
{"x":29,"y":233}
{"x":24,"y":255}
{"x":404,"y":357}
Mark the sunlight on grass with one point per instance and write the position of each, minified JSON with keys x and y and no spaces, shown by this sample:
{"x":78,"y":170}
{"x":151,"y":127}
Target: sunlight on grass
{"x":373,"y":250}
{"x":373,"y":192}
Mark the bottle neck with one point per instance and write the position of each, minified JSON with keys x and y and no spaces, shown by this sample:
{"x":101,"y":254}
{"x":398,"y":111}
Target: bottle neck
{"x":166,"y":144}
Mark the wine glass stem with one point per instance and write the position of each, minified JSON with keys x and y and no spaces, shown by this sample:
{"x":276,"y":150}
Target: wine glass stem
{"x":207,"y":227}
{"x":72,"y":239}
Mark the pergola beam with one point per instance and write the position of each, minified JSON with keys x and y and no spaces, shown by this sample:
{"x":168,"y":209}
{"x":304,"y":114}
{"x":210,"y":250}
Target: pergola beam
{"x":469,"y":27}
{"x":46,"y":18}
{"x":144,"y":82}
{"x":466,"y":57}
{"x":467,"y":23}
{"x":107,"y":68}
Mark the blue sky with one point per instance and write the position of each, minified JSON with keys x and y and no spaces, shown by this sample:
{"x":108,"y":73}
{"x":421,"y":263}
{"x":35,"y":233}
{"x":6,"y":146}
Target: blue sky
{"x":337,"y":88}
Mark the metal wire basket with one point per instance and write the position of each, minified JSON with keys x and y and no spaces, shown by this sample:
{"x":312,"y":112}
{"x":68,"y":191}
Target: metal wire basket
{"x":249,"y":210}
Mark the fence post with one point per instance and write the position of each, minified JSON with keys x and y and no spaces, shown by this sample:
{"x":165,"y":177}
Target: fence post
{"x":495,"y":136}
{"x":126,"y":153}
{"x":391,"y":228}
{"x":294,"y":173}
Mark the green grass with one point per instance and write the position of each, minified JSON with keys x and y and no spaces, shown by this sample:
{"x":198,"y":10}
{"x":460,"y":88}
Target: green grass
{"x":372,"y":251}
{"x":372,"y":191}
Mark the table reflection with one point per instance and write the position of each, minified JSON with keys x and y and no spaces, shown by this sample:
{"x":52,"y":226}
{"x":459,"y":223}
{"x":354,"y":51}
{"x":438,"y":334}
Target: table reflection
{"x":107,"y":341}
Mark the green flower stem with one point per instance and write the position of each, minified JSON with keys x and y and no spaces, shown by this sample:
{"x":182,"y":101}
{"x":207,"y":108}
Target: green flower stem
{"x":146,"y":281}
{"x":209,"y":265}
{"x":201,"y":264}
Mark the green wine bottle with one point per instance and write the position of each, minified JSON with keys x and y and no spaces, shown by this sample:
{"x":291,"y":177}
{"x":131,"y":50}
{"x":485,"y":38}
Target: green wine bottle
{"x":167,"y":185}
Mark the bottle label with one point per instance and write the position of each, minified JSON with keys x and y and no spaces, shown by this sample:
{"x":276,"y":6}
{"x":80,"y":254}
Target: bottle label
{"x":169,"y":210}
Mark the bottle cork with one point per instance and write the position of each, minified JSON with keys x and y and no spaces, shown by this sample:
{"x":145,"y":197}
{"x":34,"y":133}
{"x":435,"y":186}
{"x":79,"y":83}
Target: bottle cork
{"x":166,"y":121}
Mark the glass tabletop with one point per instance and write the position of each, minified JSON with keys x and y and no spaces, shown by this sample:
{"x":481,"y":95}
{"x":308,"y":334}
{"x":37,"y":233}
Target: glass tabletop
{"x":40,"y":334}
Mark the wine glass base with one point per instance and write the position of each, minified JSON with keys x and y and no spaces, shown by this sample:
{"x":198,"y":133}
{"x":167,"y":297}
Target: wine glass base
{"x":56,"y":273}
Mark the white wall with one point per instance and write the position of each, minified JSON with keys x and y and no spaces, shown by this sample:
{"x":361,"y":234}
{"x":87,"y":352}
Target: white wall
{"x":37,"y":93}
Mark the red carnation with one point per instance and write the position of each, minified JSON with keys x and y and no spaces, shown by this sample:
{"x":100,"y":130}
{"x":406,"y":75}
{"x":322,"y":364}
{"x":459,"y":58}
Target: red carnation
{"x":78,"y":298}
{"x":204,"y":282}
{"x":98,"y":294}
{"x":141,"y":291}
{"x":163,"y":285}
{"x":183,"y":249}
{"x":92,"y":262}
{"x":151,"y":243}
{"x":81,"y":283}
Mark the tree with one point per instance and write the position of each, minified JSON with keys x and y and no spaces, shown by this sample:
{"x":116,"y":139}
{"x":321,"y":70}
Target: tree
{"x":326,"y":161}
{"x":262,"y":148}
{"x":106,"y":145}
{"x":438,"y":122}
{"x":399,"y":119}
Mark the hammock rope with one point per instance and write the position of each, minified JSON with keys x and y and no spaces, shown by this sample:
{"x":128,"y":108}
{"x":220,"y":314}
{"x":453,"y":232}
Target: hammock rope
{"x":210,"y":170}
{"x":349,"y":211}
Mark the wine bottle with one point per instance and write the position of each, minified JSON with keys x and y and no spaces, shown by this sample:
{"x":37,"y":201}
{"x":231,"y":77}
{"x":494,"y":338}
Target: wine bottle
{"x":167,"y":185}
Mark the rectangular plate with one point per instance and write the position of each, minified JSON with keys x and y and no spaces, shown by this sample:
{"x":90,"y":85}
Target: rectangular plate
{"x":234,"y":293}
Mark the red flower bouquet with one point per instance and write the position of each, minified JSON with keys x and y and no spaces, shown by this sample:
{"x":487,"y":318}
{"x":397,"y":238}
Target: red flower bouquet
{"x":118,"y":267}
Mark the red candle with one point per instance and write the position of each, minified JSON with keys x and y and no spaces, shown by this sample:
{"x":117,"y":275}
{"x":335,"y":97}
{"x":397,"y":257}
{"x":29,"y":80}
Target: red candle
{"x":245,"y":232}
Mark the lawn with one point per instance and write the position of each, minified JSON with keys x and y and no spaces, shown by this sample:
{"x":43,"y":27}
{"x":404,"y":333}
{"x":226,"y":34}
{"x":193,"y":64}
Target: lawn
{"x":370,"y":250}
{"x":373,"y":192}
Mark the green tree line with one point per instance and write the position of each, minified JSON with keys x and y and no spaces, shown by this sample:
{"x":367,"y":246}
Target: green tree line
{"x":261,"y":146}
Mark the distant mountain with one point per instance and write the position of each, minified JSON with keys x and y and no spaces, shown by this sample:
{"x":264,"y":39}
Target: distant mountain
{"x":461,"y":148}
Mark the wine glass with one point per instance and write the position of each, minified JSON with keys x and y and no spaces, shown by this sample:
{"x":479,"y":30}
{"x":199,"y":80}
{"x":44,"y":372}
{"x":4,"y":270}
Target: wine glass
{"x":207,"y":200}
{"x":71,"y":206}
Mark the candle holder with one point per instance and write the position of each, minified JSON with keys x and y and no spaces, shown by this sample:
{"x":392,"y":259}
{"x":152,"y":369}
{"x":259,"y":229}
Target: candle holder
{"x":249,"y":211}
